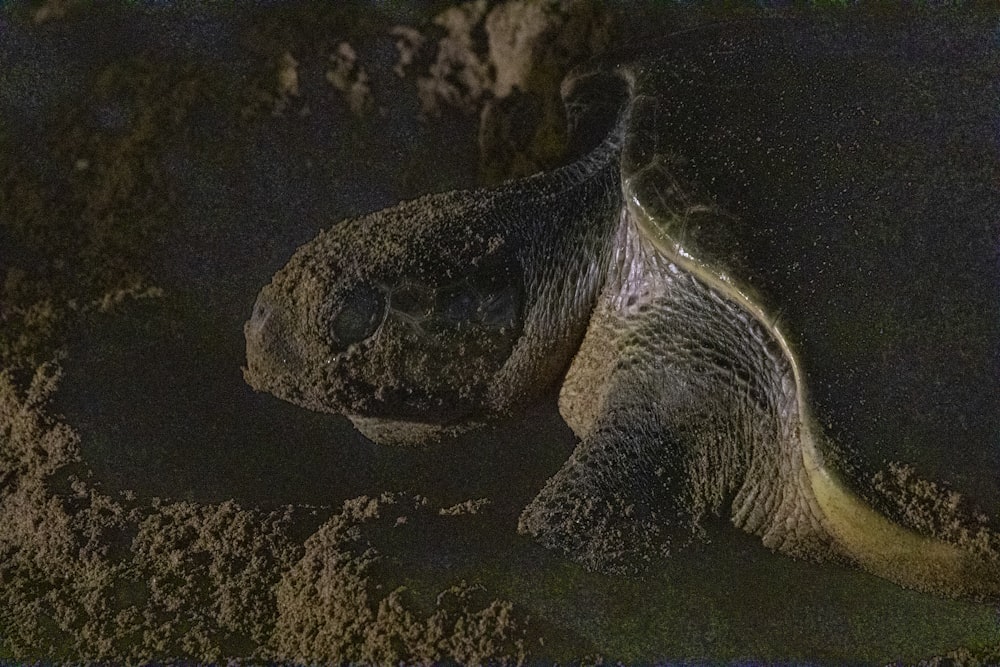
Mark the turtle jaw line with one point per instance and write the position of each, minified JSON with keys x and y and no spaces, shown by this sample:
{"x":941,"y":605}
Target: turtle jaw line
{"x":406,"y":433}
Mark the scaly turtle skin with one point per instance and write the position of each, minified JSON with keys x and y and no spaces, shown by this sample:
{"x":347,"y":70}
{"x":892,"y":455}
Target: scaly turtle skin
{"x":769,"y":221}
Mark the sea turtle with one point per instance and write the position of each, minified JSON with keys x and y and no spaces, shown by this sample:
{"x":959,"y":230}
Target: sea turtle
{"x":774,"y":251}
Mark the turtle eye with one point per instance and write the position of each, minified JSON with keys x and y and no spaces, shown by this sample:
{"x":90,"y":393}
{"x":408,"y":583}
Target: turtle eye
{"x":359,"y":316}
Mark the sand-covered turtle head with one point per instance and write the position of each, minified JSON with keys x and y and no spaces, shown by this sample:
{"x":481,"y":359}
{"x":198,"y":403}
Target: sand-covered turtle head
{"x":400,"y":320}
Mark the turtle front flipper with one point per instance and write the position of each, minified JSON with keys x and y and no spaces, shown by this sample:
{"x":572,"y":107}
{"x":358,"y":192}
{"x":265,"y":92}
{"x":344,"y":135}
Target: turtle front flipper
{"x":688,"y":406}
{"x":683,"y":407}
{"x":610,"y":506}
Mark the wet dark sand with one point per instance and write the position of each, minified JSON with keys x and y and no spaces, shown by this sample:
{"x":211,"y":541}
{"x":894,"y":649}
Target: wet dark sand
{"x":154,"y":175}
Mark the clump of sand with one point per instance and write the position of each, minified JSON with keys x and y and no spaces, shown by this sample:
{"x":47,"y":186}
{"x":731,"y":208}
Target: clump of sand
{"x":331,"y":608}
{"x":86,"y":576}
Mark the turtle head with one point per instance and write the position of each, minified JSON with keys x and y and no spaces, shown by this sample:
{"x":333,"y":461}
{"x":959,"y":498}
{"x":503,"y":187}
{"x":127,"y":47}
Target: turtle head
{"x":401,"y":320}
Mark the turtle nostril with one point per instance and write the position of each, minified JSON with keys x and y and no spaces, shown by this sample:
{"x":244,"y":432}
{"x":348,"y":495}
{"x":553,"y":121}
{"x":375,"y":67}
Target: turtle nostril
{"x":269,"y":332}
{"x":272,"y":348}
{"x":263,"y":310}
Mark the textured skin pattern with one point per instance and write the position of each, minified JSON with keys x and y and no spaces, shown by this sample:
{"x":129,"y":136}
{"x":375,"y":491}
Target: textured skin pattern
{"x":843,"y":174}
{"x":696,"y":408}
